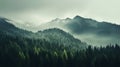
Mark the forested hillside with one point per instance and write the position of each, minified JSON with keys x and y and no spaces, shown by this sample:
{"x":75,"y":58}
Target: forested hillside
{"x":88,"y":30}
{"x":22,"y":52}
{"x":25,"y":52}
{"x":51,"y":48}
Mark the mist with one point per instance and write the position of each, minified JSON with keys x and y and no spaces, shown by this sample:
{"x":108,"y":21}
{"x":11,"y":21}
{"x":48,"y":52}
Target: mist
{"x":37,"y":12}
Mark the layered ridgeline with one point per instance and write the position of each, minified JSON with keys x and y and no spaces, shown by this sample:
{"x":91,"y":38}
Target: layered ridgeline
{"x":51,"y":48}
{"x":51,"y":39}
{"x":11,"y":30}
{"x":87,"y":30}
{"x":22,"y":48}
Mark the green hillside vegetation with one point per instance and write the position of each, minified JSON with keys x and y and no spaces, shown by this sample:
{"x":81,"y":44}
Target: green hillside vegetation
{"x":51,"y":48}
{"x":22,"y":52}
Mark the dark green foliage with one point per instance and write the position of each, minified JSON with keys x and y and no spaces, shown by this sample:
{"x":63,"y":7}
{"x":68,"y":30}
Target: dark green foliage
{"x":25,"y":52}
{"x":45,"y":48}
{"x":51,"y":48}
{"x":47,"y":37}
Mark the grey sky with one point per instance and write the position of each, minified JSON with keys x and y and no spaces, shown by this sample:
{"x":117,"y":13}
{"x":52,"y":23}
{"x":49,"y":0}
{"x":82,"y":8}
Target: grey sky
{"x":40,"y":11}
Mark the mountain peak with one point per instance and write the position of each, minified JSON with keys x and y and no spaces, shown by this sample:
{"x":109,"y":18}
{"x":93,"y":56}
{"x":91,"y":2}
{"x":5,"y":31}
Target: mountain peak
{"x":52,"y":30}
{"x":57,"y":19}
{"x":68,"y":19}
{"x":78,"y":17}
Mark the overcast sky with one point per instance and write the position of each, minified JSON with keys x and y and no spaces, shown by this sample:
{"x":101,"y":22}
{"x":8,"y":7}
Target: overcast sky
{"x":40,"y":11}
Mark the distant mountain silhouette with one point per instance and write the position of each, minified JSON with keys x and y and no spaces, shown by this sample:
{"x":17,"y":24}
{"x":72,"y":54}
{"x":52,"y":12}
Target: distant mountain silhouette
{"x":55,"y":37}
{"x":55,"y":47}
{"x":10,"y":29}
{"x":87,"y":30}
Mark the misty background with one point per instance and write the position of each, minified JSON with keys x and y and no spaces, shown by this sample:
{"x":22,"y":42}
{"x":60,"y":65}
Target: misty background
{"x":36,"y":12}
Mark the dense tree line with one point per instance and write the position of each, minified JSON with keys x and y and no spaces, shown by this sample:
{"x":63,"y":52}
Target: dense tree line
{"x":25,"y":52}
{"x":56,"y":48}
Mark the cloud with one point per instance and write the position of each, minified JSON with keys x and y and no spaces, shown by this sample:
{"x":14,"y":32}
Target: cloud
{"x":20,"y":5}
{"x":46,"y":10}
{"x":39,"y":11}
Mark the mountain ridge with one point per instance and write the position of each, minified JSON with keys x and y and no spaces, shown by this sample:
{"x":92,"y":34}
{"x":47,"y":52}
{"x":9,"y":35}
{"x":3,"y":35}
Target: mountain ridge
{"x":80,"y":26}
{"x":86,"y":30}
{"x":53,"y":37}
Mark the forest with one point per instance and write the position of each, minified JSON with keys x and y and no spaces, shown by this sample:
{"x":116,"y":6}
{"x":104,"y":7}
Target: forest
{"x":25,"y":52}
{"x":51,"y":48}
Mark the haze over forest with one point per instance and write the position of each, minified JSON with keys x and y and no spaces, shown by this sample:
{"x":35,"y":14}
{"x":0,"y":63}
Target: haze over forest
{"x":59,"y":33}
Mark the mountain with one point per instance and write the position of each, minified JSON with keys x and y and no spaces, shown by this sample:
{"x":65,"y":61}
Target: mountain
{"x":10,"y":29}
{"x":59,"y":37}
{"x":87,"y":30}
{"x":49,"y":38}
{"x":51,"y":48}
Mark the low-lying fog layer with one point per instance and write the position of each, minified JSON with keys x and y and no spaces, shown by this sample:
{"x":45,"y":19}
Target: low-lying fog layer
{"x":97,"y":40}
